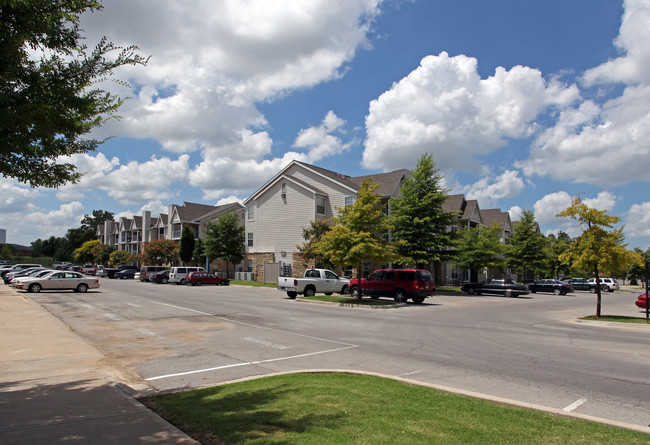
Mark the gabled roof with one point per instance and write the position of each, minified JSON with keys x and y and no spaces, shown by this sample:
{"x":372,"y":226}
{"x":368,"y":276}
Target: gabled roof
{"x":190,"y":211}
{"x":161,"y":221}
{"x":389,"y":182}
{"x":454,"y":203}
{"x":491,"y":216}
{"x":471,"y":208}
{"x":236,"y":206}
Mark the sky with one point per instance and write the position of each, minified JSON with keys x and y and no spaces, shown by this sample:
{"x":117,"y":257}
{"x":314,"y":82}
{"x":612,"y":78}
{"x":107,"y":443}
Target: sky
{"x":523,"y":105}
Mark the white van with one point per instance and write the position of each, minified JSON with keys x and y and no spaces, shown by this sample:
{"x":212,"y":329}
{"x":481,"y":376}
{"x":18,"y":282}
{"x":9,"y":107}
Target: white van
{"x":178,"y":275}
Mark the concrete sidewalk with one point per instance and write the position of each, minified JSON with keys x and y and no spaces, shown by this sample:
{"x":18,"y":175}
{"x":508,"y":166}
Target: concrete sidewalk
{"x":55,"y":388}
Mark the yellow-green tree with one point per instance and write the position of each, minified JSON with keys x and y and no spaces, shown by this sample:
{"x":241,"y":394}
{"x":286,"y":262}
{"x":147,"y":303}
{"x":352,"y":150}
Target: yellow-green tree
{"x":597,"y":249}
{"x":87,"y":252}
{"x":119,"y":257}
{"x":360,"y":233}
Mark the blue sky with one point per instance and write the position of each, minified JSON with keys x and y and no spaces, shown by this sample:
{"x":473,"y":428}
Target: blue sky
{"x":523,"y":105}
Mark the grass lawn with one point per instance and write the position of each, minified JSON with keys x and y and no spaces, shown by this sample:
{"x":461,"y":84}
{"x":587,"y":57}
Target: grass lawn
{"x":252,"y":283}
{"x":335,"y":408}
{"x":618,"y":318}
{"x":366,"y":301}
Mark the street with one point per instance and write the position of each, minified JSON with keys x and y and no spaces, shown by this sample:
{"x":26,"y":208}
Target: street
{"x":529,"y":349}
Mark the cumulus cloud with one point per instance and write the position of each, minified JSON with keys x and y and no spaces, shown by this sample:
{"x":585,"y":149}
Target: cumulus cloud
{"x":54,"y":222}
{"x":515,"y":213}
{"x":638,"y":220}
{"x":15,"y":198}
{"x":489,"y":190}
{"x":612,"y":136}
{"x":320,"y":141}
{"x":445,"y":108}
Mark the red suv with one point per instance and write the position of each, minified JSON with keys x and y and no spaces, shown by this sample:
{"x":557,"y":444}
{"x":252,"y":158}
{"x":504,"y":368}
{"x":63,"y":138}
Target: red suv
{"x":401,"y":284}
{"x":199,"y":278}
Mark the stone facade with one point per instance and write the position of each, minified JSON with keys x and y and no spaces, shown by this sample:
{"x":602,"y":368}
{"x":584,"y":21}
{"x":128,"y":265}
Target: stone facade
{"x":258,"y":263}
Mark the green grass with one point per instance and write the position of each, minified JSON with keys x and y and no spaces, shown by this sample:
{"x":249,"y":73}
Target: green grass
{"x":335,"y":408}
{"x":349,"y":300}
{"x":253,"y":283}
{"x":617,"y":318}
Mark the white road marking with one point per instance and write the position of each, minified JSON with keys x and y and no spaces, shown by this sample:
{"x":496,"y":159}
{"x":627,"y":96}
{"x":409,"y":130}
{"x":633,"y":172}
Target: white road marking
{"x":411,"y":373}
{"x":133,"y":305}
{"x":146,"y":332}
{"x":575,"y":405}
{"x":259,"y":341}
{"x":234,"y":365}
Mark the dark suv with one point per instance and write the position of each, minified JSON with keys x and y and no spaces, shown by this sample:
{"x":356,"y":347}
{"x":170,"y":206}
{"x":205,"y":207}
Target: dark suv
{"x":400,"y":284}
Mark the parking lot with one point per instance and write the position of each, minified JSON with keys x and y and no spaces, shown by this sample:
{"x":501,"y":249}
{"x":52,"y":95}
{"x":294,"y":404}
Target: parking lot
{"x":530,"y":349}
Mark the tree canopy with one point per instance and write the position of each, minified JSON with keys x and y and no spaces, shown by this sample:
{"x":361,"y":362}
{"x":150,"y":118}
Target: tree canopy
{"x":49,"y":88}
{"x":159,"y":252}
{"x":186,"y":248}
{"x":225,"y":239}
{"x":526,"y":250}
{"x":480,"y":247}
{"x":419,"y":219}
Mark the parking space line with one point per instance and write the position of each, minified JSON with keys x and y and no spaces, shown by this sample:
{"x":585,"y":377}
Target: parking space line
{"x":258,"y":362}
{"x":574,"y":405}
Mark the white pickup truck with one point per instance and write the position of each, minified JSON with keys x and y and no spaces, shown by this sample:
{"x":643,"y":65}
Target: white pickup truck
{"x":315,"y":280}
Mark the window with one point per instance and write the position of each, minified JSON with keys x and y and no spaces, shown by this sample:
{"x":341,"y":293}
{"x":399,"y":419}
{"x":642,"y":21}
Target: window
{"x":320,"y":205}
{"x":250,"y":266}
{"x":250,"y":212}
{"x":349,"y":200}
{"x":250,"y":239}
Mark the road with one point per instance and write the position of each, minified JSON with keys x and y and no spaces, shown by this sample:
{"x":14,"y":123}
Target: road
{"x":529,"y":349}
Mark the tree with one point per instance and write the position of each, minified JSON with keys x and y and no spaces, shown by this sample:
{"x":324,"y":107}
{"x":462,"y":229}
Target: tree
{"x":85,"y":254}
{"x":199,"y":252}
{"x":480,"y":247}
{"x":312,"y":235}
{"x":553,"y":266}
{"x":359,"y":233}
{"x":119,"y":257}
{"x":5,"y":252}
{"x":104,"y":254}
{"x":159,"y":252}
{"x":48,"y":103}
{"x":225,"y":239}
{"x":597,"y":248}
{"x":527,"y":245}
{"x":186,"y":250}
{"x":419,"y":219}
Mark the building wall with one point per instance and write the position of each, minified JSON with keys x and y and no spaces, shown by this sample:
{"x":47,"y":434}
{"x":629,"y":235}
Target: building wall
{"x":258,"y":263}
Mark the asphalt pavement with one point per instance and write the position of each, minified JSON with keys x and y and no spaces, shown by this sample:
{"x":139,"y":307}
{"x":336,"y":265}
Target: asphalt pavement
{"x":55,"y":388}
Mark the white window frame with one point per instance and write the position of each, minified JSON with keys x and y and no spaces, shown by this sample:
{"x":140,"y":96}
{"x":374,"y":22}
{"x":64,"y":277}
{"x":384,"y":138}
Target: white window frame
{"x":250,"y":238}
{"x":250,"y":212}
{"x":323,"y":206}
{"x":349,"y":200}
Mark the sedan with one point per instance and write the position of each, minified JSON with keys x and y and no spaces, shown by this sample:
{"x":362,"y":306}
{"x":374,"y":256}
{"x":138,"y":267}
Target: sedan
{"x":555,"y":286}
{"x":161,"y":277}
{"x":507,"y":288}
{"x":36,"y":273}
{"x":199,"y":278}
{"x":59,"y":280}
{"x":641,"y":301}
{"x":20,"y":273}
{"x":126,"y":273}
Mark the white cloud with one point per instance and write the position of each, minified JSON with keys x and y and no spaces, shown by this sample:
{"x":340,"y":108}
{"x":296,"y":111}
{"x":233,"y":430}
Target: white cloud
{"x":445,"y":108}
{"x":52,"y":223}
{"x":515,"y":213}
{"x":634,"y":65}
{"x":604,"y":201}
{"x":638,"y":220}
{"x":489,"y":190}
{"x":229,"y":200}
{"x":320,"y":141}
{"x":15,"y":198}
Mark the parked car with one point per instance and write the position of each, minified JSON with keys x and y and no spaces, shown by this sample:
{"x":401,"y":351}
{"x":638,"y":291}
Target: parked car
{"x":314,"y":280}
{"x":20,"y":273}
{"x":641,"y":301}
{"x":178,"y":275}
{"x":18,"y":267}
{"x":100,"y":271}
{"x":608,"y":284}
{"x":146,"y":272}
{"x":89,"y":269}
{"x":199,"y":278}
{"x":400,"y":284}
{"x":33,"y":273}
{"x":59,"y":280}
{"x":507,"y":288}
{"x":557,"y":287}
{"x":161,"y":277}
{"x":126,"y":273}
{"x":582,"y":284}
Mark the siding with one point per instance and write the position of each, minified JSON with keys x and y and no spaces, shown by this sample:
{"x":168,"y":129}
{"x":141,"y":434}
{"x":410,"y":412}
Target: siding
{"x":335,"y":194}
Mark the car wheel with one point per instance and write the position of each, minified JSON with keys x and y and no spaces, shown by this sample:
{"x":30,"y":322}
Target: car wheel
{"x":418,"y":300}
{"x":198,"y":283}
{"x":82,"y":288}
{"x":36,"y":288}
{"x":163,"y":280}
{"x":183,"y":281}
{"x":605,"y":288}
{"x":592,"y":290}
{"x":354,"y":292}
{"x":471,"y":291}
{"x":224,"y":283}
{"x":508,"y":293}
{"x":292,"y":295}
{"x":557,"y":291}
{"x":400,"y":296}
{"x":310,"y":292}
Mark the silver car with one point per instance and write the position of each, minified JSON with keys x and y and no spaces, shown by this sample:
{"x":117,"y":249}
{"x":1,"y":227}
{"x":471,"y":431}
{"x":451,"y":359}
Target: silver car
{"x":59,"y":280}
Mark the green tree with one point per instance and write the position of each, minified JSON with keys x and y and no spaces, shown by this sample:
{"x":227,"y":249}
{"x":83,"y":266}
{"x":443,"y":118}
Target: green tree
{"x":119,"y":257}
{"x":159,"y":252}
{"x":199,"y":252}
{"x":527,"y":248}
{"x":597,"y":248}
{"x":48,"y":103}
{"x":225,"y":240}
{"x":419,"y":219}
{"x":480,"y":247}
{"x":553,"y":266}
{"x":104,"y":254}
{"x":360,"y":233}
{"x":312,"y":235}
{"x":5,"y":252}
{"x":186,"y":249}
{"x":85,"y":253}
